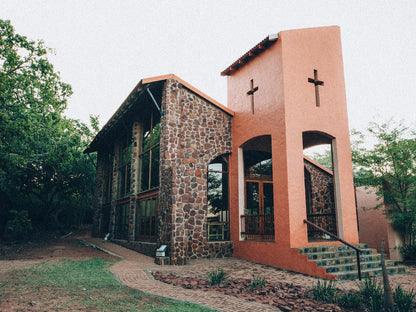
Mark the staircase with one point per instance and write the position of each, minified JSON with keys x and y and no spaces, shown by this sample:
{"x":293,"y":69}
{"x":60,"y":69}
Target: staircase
{"x":341,"y":261}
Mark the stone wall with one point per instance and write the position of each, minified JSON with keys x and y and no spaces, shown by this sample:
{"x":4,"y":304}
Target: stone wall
{"x":322,"y":189}
{"x":323,"y":201}
{"x":193,"y":133}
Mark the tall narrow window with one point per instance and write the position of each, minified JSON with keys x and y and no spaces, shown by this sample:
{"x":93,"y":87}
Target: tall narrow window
{"x":218,"y":202}
{"x":122,"y":221}
{"x":149,"y":156}
{"x":146,"y":218}
{"x":125,"y":167}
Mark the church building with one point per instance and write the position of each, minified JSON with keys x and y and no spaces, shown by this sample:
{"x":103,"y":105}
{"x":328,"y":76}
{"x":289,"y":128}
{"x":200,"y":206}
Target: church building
{"x":176,"y":168}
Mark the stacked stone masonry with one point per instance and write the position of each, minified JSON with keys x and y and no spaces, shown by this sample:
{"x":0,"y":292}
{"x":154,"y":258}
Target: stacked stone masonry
{"x":194,"y":132}
{"x":323,"y":202}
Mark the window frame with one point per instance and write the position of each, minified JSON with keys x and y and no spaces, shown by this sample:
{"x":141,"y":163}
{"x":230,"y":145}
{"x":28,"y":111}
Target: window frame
{"x":220,"y":230}
{"x":124,"y":168}
{"x":149,"y":231}
{"x":151,"y":150}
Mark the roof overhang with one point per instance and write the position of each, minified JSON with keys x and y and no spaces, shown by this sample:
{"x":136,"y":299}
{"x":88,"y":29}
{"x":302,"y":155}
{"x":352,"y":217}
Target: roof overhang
{"x":251,"y":54}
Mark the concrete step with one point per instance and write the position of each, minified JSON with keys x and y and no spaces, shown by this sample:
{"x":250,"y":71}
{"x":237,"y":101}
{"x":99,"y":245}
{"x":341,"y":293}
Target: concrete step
{"x":339,"y":254}
{"x":349,"y":259}
{"x":329,"y":248}
{"x":353,"y":266}
{"x":341,"y":261}
{"x":353,"y":275}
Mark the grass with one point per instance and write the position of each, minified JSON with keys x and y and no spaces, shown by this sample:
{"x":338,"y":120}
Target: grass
{"x":84,"y":285}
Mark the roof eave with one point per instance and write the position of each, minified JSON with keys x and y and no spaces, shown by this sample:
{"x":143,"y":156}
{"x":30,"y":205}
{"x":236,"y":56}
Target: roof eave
{"x":251,"y":54}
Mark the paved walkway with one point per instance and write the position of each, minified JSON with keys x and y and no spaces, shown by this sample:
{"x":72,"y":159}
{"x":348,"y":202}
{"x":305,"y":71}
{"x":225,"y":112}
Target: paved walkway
{"x":134,"y":271}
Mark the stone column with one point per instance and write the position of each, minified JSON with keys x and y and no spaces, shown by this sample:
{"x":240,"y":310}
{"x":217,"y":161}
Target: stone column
{"x":114,"y":190}
{"x":134,"y":178}
{"x":194,"y":132}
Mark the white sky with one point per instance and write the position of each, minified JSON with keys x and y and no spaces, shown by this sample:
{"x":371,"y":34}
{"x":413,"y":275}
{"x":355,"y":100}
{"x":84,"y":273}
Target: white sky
{"x":103,"y":48}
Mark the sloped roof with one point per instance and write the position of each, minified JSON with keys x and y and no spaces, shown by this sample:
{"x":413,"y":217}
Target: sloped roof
{"x":131,"y":100}
{"x":251,"y":54}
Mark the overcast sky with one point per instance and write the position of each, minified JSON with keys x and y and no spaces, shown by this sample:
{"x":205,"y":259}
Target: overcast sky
{"x":103,"y":48}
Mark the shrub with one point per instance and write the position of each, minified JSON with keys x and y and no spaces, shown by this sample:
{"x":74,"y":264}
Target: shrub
{"x":350,"y":300}
{"x":217,"y":276}
{"x":408,"y":252}
{"x":19,"y":226}
{"x":403,"y":299}
{"x":372,"y":294}
{"x":325,"y":291}
{"x":257,"y":281}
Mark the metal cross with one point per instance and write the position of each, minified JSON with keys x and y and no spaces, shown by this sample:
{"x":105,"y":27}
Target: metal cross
{"x":317,"y":83}
{"x":251,"y":92}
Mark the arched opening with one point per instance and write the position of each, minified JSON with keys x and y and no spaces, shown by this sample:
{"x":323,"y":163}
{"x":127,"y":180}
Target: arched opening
{"x":319,"y":184}
{"x":258,"y":217}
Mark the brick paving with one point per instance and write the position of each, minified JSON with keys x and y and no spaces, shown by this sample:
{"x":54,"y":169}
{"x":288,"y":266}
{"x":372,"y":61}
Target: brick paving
{"x":134,"y":271}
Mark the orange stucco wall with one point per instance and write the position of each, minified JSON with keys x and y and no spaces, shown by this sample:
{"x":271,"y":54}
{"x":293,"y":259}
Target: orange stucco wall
{"x":374,"y":225}
{"x":284,"y":108}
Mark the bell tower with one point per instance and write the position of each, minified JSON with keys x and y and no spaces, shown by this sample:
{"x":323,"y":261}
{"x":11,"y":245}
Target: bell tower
{"x":290,"y":89}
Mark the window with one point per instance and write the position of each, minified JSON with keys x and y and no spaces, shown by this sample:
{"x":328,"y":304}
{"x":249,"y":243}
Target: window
{"x":218,"y":202}
{"x":149,"y":156}
{"x":146,"y":218}
{"x":122,"y":221}
{"x":125,"y":167}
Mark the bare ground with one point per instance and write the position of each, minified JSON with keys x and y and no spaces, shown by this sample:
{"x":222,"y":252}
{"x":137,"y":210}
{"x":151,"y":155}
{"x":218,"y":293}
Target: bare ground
{"x":24,"y":255}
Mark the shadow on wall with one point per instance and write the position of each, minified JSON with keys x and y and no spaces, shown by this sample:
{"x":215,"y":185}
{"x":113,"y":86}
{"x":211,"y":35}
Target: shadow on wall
{"x":374,"y":226}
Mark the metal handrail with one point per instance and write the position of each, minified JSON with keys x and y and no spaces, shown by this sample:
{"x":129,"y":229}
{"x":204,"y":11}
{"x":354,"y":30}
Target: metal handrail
{"x":357,"y":250}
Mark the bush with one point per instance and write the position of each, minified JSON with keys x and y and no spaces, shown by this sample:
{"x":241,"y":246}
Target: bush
{"x":19,"y":226}
{"x":403,"y":299}
{"x":408,"y":252}
{"x":372,"y":294}
{"x":325,"y":291}
{"x":217,"y":276}
{"x":350,"y":300}
{"x":257,"y":281}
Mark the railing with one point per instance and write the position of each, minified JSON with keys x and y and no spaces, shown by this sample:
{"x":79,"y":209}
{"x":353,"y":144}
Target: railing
{"x":357,"y":250}
{"x":254,"y":226}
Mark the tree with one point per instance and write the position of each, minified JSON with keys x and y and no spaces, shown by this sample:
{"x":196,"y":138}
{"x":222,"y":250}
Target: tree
{"x":390,"y":166}
{"x":42,"y":166}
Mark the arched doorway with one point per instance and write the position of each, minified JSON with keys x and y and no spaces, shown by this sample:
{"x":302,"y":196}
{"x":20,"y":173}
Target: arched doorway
{"x":319,"y":184}
{"x":258,"y":217}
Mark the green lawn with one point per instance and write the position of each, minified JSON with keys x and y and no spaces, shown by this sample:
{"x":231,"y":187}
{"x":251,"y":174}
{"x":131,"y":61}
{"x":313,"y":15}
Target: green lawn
{"x":83,"y":285}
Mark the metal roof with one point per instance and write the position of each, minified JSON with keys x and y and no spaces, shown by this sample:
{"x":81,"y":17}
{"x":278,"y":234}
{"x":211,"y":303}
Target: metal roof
{"x":251,"y":54}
